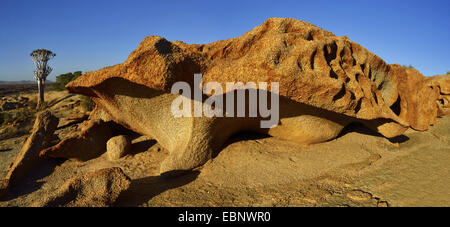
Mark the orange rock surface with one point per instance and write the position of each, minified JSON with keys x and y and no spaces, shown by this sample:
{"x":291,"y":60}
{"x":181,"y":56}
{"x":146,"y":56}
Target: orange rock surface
{"x":326,"y":82}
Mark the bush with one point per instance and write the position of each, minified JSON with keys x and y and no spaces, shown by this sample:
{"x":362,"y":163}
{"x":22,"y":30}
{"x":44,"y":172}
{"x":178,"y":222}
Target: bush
{"x":5,"y":118}
{"x":86,"y":103}
{"x":16,"y":123}
{"x":24,"y":114}
{"x":408,"y":66}
{"x":63,"y":79}
{"x":448,"y":72}
{"x":20,"y":115}
{"x":9,"y":132}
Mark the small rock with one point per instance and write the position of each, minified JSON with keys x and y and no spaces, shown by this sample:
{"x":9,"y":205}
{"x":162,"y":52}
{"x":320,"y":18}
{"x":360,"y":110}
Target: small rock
{"x":118,"y":147}
{"x":382,"y":204}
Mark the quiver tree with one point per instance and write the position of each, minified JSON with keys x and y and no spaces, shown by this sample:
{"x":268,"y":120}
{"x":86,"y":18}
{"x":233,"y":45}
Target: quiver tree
{"x":40,"y":58}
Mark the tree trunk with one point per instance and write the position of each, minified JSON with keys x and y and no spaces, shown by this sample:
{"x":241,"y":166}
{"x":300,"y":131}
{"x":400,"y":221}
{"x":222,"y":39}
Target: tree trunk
{"x":41,"y":85}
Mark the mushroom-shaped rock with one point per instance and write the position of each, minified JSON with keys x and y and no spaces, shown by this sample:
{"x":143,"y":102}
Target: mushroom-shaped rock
{"x":325,"y":83}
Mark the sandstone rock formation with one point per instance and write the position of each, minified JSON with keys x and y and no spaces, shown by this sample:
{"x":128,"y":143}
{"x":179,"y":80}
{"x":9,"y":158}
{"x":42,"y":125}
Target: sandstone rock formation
{"x":41,"y":137}
{"x":442,"y":85}
{"x":326,"y":83}
{"x":118,"y":147}
{"x":75,"y":119}
{"x":87,"y":142}
{"x":419,"y":100}
{"x":97,"y":189}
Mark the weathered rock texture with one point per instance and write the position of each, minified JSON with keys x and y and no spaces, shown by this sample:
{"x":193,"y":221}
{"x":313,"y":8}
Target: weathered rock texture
{"x":442,"y":85}
{"x":97,"y":189}
{"x":87,"y":142}
{"x":417,"y":99}
{"x":118,"y":147}
{"x":326,"y":83}
{"x":41,"y":137}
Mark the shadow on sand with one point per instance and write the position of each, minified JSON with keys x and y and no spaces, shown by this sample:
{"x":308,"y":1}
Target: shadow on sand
{"x":54,"y":102}
{"x":30,"y":183}
{"x":360,"y":128}
{"x":142,"y":190}
{"x":142,"y":146}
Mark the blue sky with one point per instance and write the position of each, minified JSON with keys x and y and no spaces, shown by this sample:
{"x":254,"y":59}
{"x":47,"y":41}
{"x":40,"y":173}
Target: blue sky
{"x":88,"y":35}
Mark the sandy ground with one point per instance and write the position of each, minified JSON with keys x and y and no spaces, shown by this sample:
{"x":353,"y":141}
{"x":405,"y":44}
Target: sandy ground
{"x":359,"y":168}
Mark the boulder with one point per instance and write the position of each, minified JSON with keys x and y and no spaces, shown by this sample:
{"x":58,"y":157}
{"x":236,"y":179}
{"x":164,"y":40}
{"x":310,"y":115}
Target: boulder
{"x":97,"y":189}
{"x":326,"y":83}
{"x":117,"y":147}
{"x":42,"y":135}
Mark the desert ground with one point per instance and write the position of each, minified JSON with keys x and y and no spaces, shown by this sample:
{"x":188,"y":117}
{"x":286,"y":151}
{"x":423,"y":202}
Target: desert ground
{"x":359,"y":168}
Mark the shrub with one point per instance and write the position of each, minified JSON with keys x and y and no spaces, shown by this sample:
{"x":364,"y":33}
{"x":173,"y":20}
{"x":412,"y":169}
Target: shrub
{"x":408,"y":66}
{"x":8,"y":132}
{"x":86,"y":103}
{"x":20,"y":115}
{"x":63,"y":79}
{"x":16,"y":123}
{"x":24,"y":114}
{"x":5,"y":118}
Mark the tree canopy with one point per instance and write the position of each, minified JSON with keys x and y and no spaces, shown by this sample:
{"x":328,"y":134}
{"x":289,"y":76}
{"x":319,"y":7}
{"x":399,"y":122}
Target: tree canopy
{"x":63,"y":79}
{"x":40,"y":58}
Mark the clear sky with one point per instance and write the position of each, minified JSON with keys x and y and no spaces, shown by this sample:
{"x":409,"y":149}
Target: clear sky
{"x":90,"y":34}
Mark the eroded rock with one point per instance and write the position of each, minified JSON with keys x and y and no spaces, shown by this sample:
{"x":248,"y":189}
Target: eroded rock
{"x":416,"y":99}
{"x":97,"y":189}
{"x":87,"y":142}
{"x":326,"y":83}
{"x":41,"y":136}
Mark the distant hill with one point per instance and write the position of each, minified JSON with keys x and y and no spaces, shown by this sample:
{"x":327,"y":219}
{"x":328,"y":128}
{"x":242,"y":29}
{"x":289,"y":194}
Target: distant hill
{"x":23,"y":82}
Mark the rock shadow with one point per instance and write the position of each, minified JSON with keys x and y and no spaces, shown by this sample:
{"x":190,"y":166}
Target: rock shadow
{"x":5,"y":149}
{"x":30,"y":183}
{"x":144,"y":189}
{"x":362,"y":129}
{"x":241,"y":136}
{"x":141,"y":146}
{"x":53,"y":103}
{"x":76,"y":122}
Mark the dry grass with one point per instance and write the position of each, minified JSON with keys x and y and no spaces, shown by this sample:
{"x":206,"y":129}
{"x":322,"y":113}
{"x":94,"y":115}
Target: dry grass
{"x":19,"y":121}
